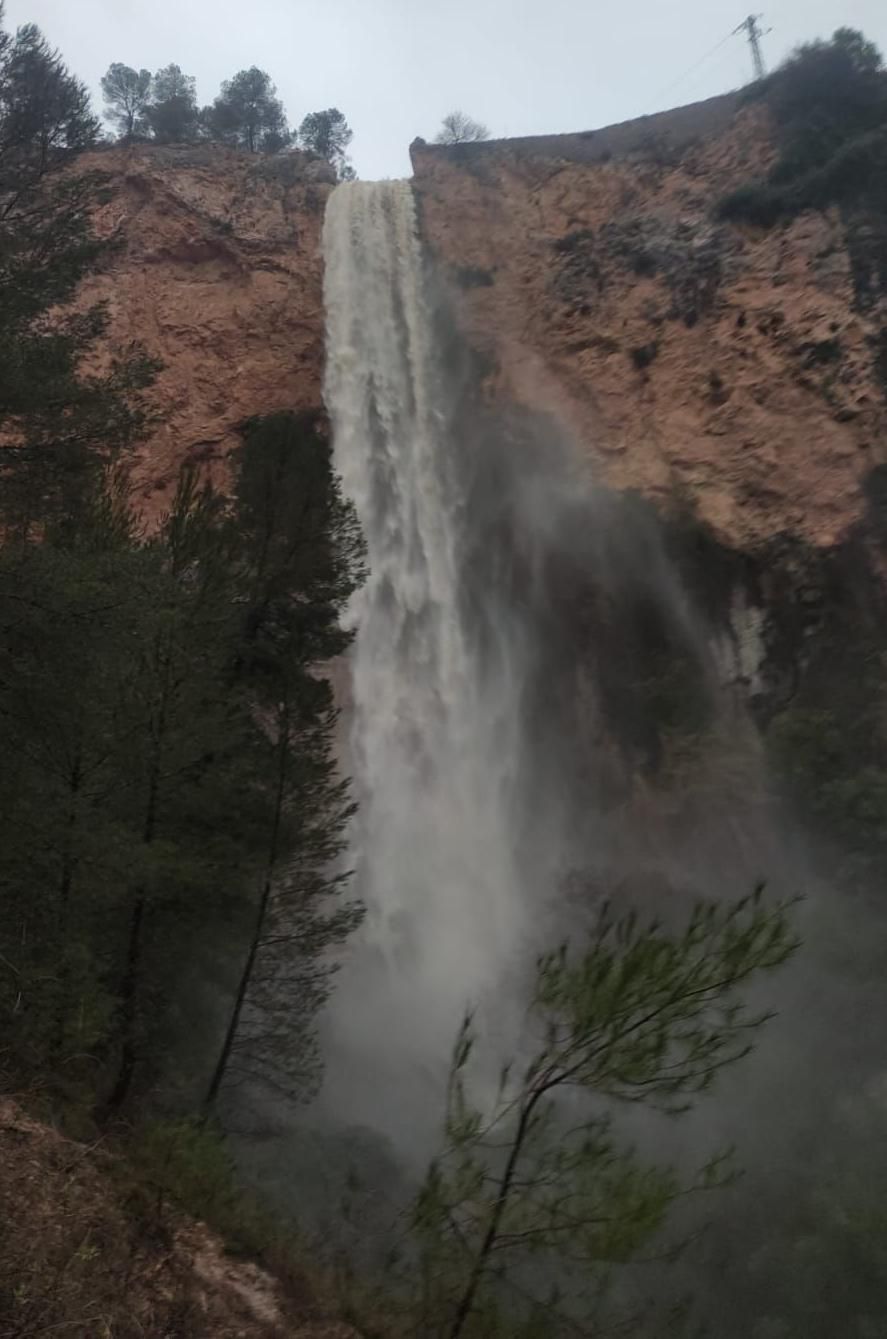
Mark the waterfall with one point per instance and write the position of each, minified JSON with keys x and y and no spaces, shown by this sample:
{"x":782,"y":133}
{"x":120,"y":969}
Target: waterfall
{"x":432,"y":721}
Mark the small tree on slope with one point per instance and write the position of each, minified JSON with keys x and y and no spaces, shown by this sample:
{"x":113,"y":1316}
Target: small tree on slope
{"x":457,"y":128}
{"x":328,"y":135}
{"x":539,"y":1184}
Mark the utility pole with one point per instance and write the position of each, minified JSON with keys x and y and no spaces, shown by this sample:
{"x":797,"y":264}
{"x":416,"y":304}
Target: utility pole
{"x":751,"y":28}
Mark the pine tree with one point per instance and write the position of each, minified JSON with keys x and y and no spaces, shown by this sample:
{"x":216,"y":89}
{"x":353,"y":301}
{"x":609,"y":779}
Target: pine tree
{"x":302,"y":557}
{"x":67,"y":613}
{"x":61,"y":423}
{"x":64,"y":602}
{"x":171,"y":809}
{"x":44,"y":111}
{"x":127,"y":93}
{"x":248,"y":114}
{"x":328,"y":135}
{"x":537,"y":1188}
{"x":172,"y":112}
{"x":180,"y":796}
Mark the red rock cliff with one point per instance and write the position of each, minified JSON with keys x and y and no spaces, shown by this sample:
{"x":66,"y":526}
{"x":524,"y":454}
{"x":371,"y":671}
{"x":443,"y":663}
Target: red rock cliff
{"x":219,"y":275}
{"x":731,"y":366}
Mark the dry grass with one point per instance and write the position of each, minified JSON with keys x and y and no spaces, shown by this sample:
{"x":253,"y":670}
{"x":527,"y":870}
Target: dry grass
{"x":86,"y":1254}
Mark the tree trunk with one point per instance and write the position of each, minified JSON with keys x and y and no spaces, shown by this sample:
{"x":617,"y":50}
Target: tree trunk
{"x":129,"y":994}
{"x":224,"y":1058}
{"x":132,"y":976}
{"x":466,"y":1303}
{"x":66,"y":884}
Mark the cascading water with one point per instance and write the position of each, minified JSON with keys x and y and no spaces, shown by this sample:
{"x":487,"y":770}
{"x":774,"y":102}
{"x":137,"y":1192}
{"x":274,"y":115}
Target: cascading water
{"x":504,"y":638}
{"x":433,"y":739}
{"x":530,"y":693}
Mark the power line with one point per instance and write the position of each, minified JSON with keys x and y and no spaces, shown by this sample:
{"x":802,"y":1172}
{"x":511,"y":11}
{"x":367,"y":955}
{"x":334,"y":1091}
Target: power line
{"x":750,"y":26}
{"x":693,"y":68}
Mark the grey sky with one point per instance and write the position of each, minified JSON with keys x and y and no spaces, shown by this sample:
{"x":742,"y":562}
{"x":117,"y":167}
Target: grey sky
{"x":395,"y":67}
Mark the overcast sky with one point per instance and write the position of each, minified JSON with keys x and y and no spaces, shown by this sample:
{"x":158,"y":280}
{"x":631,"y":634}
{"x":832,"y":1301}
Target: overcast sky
{"x":395,"y":67}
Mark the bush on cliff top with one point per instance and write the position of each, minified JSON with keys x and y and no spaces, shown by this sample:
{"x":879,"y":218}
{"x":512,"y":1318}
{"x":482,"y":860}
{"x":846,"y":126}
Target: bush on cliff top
{"x":829,"y":104}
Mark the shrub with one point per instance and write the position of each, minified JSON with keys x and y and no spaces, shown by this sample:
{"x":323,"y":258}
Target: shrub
{"x":189,"y":1165}
{"x":644,"y":354}
{"x":829,"y":102}
{"x":474,"y":276}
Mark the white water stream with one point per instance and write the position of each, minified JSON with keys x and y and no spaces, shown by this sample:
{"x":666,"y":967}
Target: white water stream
{"x":433,"y":733}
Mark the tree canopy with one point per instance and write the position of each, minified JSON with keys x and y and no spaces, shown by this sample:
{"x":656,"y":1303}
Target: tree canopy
{"x":537,"y":1176}
{"x":171,"y":805}
{"x":328,"y":134}
{"x":127,"y":93}
{"x":172,"y":113}
{"x":248,"y":114}
{"x":459,"y":128}
{"x":829,"y":106}
{"x":45,"y":110}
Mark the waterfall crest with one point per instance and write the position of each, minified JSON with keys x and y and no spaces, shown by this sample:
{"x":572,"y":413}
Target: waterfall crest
{"x":432,"y":745}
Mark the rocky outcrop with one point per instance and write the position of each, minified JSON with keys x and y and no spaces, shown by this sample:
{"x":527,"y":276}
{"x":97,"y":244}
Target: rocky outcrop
{"x":735,"y":369}
{"x":218,"y":272}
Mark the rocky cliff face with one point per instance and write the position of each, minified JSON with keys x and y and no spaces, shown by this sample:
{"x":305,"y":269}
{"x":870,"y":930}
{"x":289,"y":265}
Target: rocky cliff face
{"x":218,"y":272}
{"x":734,"y":369}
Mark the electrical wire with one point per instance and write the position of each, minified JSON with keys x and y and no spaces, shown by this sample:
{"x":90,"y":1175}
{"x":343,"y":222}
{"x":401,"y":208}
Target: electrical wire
{"x":692,"y":70}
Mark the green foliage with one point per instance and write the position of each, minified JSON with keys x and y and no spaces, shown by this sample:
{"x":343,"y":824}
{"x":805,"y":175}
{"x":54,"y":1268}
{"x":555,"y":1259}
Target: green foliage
{"x":823,"y":1271}
{"x":44,"y":110}
{"x":301,"y":558}
{"x":59,"y":722}
{"x":643,"y":355}
{"x":825,"y":94}
{"x":64,"y":429}
{"x":45,"y":246}
{"x":162,"y":106}
{"x":172,"y":113}
{"x":189,"y":1165}
{"x":150,"y":687}
{"x":328,"y":135}
{"x":537,"y":1186}
{"x":127,"y":93}
{"x":247,"y":114}
{"x":826,"y":768}
{"x":473,"y":276}
{"x":55,"y":415}
{"x":170,"y":784}
{"x":829,"y":103}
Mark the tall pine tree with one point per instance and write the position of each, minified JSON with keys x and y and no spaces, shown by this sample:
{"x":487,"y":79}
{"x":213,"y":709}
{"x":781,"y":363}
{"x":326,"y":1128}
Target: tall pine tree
{"x":302,"y":557}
